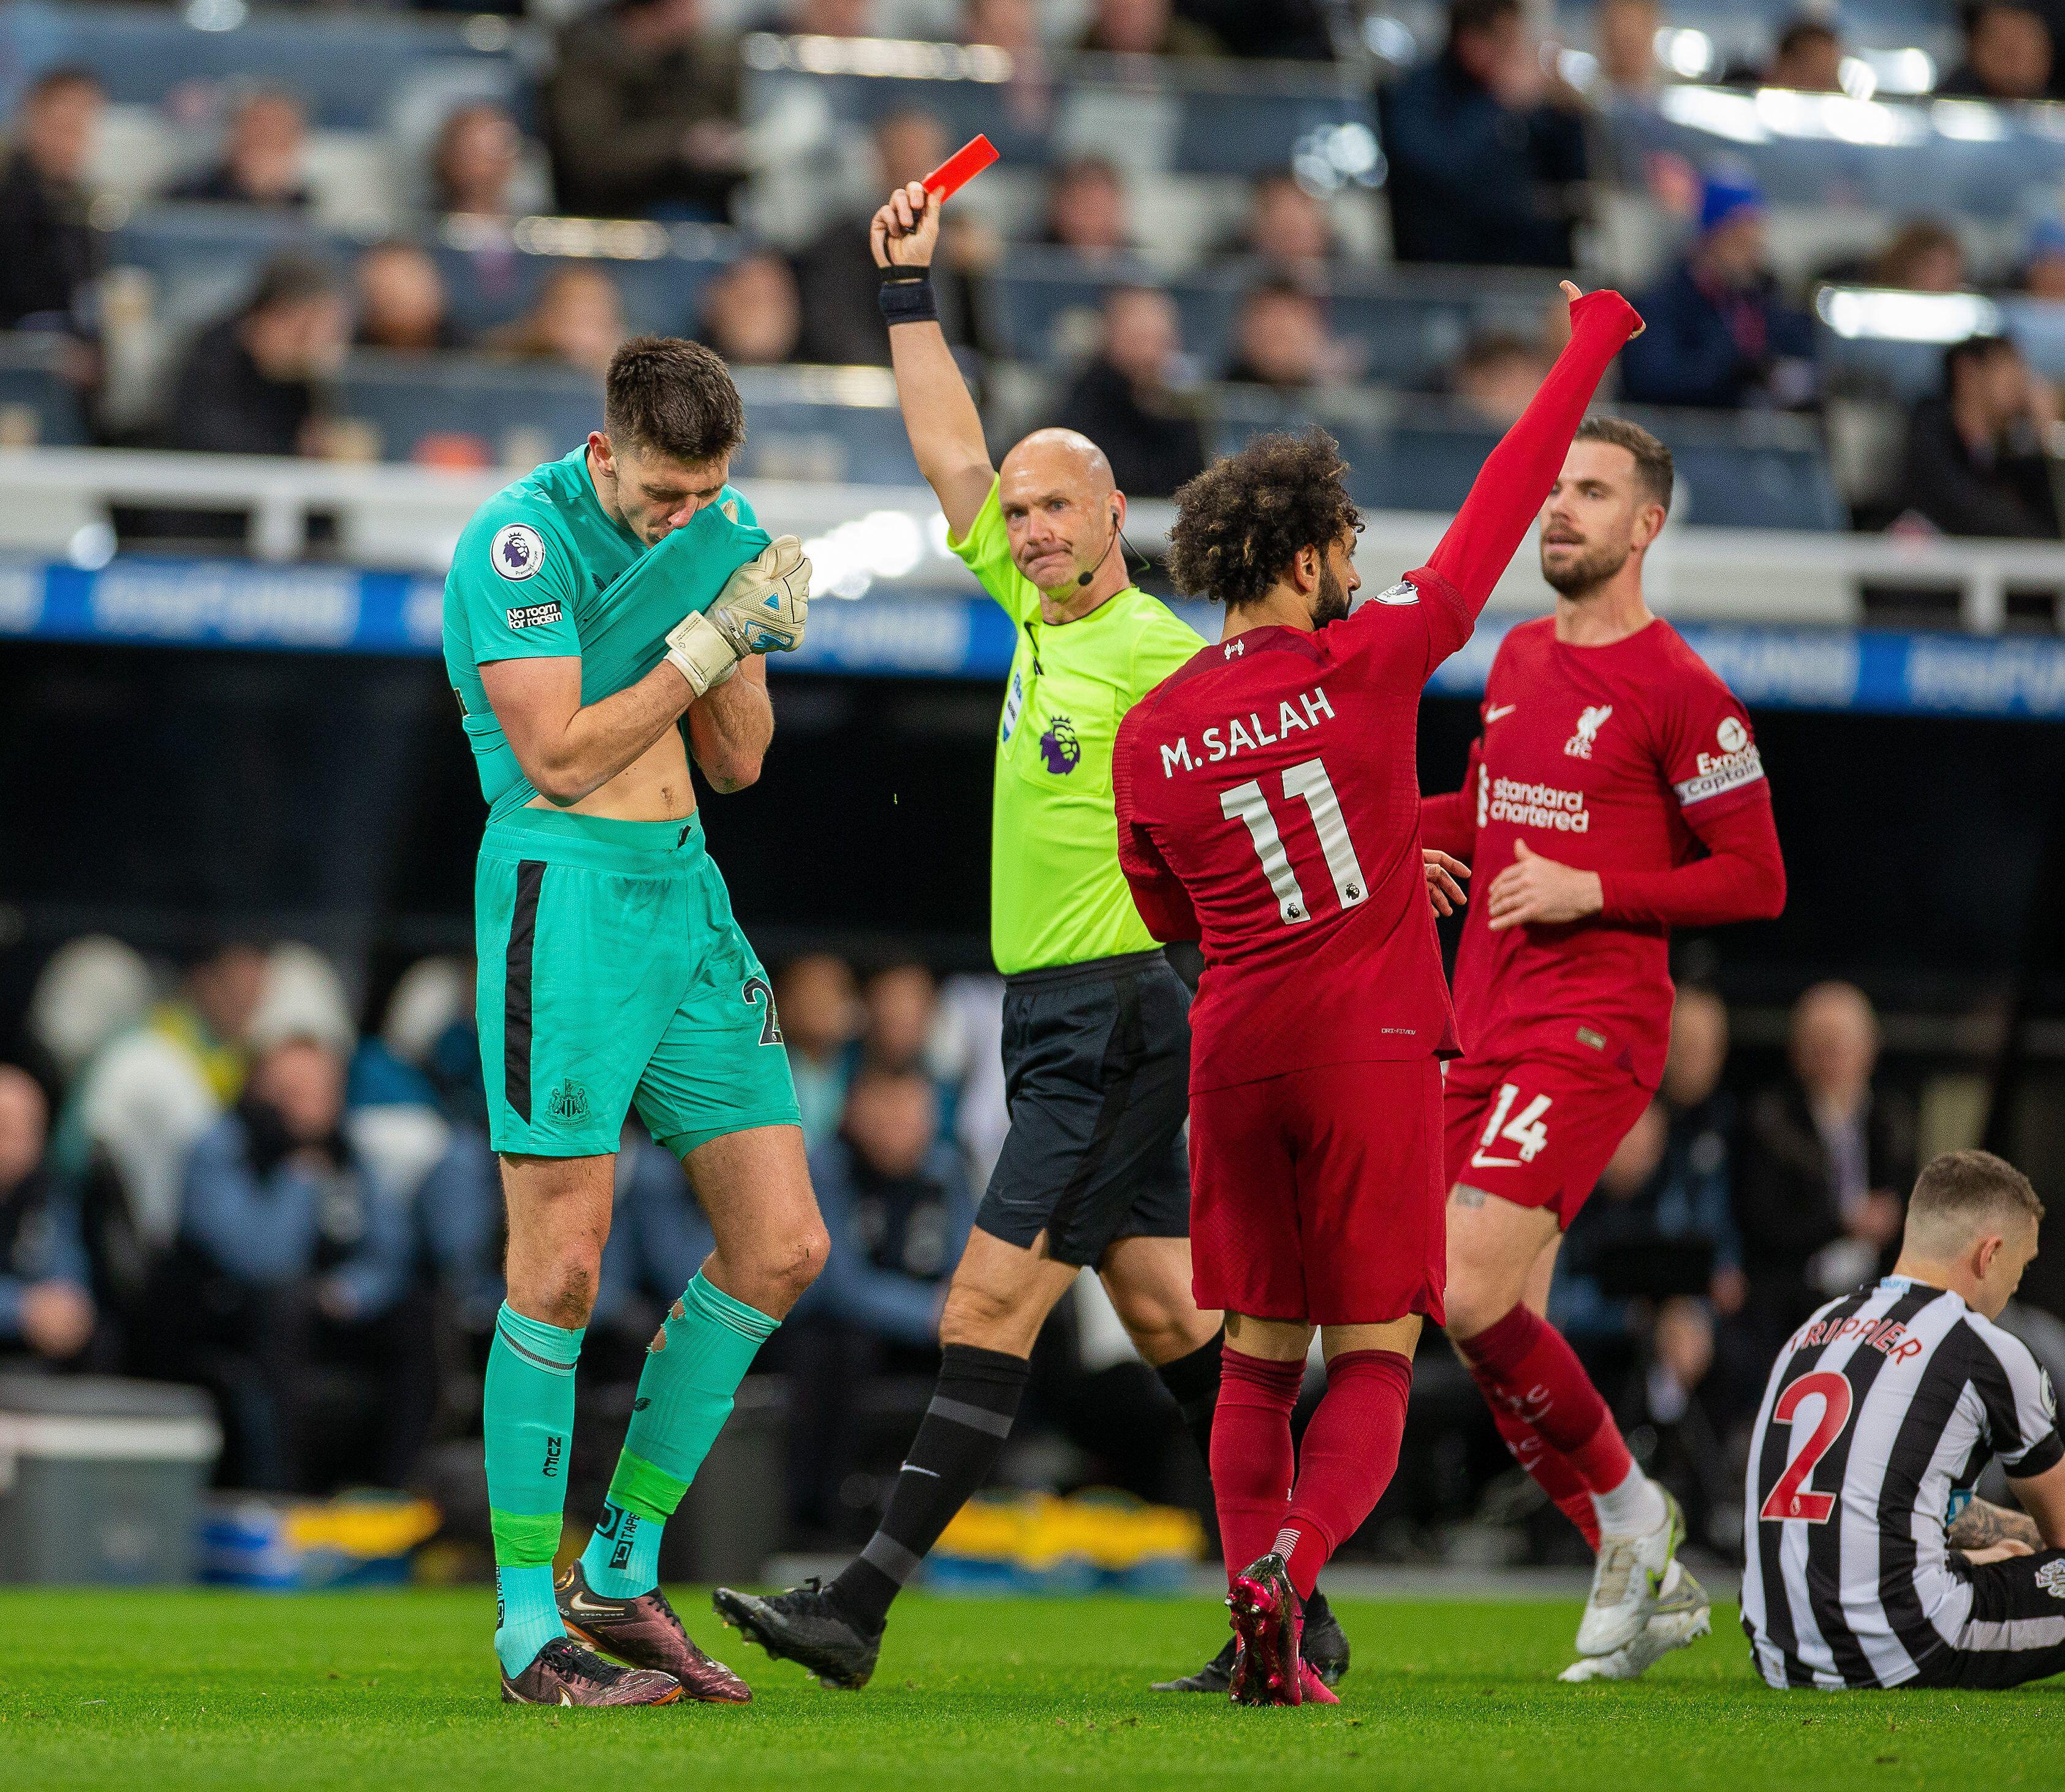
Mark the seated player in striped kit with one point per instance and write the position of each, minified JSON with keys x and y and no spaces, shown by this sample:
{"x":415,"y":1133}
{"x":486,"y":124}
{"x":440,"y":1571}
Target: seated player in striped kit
{"x":1869,"y":1561}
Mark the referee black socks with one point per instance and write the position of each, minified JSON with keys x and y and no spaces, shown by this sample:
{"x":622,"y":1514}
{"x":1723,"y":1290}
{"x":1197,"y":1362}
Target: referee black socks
{"x":1193,"y":1382}
{"x":973,"y":1405}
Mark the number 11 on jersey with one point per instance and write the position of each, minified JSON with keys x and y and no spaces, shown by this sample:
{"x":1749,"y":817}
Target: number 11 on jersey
{"x":1246,"y":803}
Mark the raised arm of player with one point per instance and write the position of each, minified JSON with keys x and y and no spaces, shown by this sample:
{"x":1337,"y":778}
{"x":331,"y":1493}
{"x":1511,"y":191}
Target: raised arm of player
{"x":1514,"y":481}
{"x":939,"y":412}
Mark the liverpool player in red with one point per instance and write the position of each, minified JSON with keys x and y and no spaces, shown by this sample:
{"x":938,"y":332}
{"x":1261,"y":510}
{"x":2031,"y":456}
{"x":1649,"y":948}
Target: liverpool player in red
{"x":1614,"y":792}
{"x":1268,"y":806}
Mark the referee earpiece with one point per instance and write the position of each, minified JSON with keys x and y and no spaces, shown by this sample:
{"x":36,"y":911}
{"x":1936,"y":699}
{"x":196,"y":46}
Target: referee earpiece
{"x":1111,"y":516}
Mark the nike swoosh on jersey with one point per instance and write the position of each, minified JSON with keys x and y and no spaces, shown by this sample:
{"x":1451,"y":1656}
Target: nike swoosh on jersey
{"x":1497,"y":711}
{"x":1479,"y":1161}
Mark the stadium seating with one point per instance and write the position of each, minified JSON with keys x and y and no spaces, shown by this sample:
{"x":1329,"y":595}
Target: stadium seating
{"x":38,"y":407}
{"x":1737,"y":32}
{"x":264,"y":635}
{"x":1770,"y":473}
{"x":1898,"y":156}
{"x":1189,"y":135}
{"x":356,"y":70}
{"x":201,"y":257}
{"x":834,"y":425}
{"x":1409,"y":324}
{"x":1893,"y":342}
{"x":1201,"y":118}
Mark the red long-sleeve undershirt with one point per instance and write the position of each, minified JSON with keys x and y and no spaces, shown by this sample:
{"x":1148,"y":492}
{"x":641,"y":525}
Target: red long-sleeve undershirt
{"x":1514,"y":482}
{"x":1448,"y":822}
{"x":1741,"y":879}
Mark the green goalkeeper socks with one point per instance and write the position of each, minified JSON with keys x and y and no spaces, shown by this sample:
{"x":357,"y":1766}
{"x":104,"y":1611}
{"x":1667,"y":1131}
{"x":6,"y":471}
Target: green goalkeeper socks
{"x":692,"y":1369}
{"x":528,"y":1418}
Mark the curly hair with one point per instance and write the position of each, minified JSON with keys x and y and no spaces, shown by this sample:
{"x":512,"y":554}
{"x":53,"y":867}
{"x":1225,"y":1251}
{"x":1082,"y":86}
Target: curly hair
{"x":1241,"y":522}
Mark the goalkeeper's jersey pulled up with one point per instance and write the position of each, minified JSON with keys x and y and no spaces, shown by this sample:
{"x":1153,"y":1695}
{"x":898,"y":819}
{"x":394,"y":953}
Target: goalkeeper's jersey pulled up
{"x":543,"y":571}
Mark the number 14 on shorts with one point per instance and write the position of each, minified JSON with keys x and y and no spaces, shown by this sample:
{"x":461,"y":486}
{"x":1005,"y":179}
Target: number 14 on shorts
{"x":1524,"y":1131}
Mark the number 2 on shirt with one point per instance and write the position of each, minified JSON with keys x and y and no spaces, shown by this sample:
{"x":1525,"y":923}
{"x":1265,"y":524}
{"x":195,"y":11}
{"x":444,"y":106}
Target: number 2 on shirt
{"x":1308,"y":779}
{"x":1786,"y":1500}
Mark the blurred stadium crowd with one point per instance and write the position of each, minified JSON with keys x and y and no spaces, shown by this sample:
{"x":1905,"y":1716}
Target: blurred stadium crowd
{"x":1211,"y":217}
{"x":208,"y":1173}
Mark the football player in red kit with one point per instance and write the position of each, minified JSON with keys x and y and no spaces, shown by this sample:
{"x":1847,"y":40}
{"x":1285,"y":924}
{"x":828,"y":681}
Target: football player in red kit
{"x":1268,"y":806}
{"x":1614,"y":792}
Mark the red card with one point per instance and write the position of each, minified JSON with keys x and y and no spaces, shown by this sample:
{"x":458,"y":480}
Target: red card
{"x":960,"y":167}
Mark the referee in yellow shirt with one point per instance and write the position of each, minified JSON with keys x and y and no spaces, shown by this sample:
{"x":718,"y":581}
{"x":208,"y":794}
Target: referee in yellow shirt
{"x":1097,"y":1038}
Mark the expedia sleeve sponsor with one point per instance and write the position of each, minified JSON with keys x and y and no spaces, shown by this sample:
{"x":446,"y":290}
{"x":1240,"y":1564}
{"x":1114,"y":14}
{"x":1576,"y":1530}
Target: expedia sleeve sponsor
{"x":536,"y":616}
{"x":1718,"y":772}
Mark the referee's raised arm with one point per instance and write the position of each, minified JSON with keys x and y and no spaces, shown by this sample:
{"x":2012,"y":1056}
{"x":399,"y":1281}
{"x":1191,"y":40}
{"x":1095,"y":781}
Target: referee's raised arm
{"x":939,"y":412}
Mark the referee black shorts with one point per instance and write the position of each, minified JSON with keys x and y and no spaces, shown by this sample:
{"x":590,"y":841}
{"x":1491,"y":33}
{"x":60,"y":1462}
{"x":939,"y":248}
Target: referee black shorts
{"x":1096,"y":1069}
{"x":2016,"y":1632}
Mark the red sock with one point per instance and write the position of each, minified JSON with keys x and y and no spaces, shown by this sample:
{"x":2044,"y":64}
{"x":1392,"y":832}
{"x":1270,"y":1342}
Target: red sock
{"x":1349,"y":1453}
{"x":1252,"y":1463}
{"x":1551,"y":1474}
{"x":1525,"y":1368}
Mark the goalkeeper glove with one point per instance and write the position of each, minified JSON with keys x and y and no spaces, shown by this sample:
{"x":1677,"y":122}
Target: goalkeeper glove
{"x":762,"y":609}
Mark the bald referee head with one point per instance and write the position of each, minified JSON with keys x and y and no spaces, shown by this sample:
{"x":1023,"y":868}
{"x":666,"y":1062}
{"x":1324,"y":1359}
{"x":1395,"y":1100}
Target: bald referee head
{"x":1971,"y":1228}
{"x":1063,"y":512}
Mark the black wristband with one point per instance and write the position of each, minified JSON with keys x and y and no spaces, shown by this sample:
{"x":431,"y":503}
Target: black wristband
{"x":906,"y":296}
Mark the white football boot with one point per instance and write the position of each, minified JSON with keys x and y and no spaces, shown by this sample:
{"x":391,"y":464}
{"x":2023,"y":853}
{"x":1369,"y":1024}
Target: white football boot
{"x":1682,"y":1615}
{"x":1627,"y":1580}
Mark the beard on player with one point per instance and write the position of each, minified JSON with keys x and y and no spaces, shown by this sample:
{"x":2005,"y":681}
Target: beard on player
{"x":1574,"y":566}
{"x":1330,"y":603}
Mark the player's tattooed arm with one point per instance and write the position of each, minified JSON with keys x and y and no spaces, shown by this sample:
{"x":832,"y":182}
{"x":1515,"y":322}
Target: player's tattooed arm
{"x":1983,"y":1526}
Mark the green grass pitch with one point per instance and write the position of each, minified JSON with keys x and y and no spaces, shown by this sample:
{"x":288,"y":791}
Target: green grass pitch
{"x":151,"y":1691}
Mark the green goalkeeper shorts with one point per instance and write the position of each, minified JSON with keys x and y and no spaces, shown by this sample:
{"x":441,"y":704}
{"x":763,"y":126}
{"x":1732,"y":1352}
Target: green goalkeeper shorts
{"x":612,"y":973}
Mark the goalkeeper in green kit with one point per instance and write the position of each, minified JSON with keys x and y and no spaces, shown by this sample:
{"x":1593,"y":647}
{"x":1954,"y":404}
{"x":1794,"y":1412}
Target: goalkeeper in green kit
{"x":604,"y":622}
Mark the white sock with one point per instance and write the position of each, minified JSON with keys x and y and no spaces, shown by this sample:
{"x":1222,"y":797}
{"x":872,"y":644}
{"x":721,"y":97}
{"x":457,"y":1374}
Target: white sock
{"x":1633,"y":1508}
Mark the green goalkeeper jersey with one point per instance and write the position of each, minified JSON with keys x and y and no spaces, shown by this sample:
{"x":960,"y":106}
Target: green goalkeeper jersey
{"x":1056,"y":895}
{"x":543,"y":571}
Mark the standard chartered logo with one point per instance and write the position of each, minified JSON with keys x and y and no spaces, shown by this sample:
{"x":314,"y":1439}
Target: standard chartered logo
{"x":1539,"y":805}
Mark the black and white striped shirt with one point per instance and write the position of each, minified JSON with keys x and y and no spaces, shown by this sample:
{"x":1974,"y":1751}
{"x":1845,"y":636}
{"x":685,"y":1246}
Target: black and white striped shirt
{"x":1880,"y":1414}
